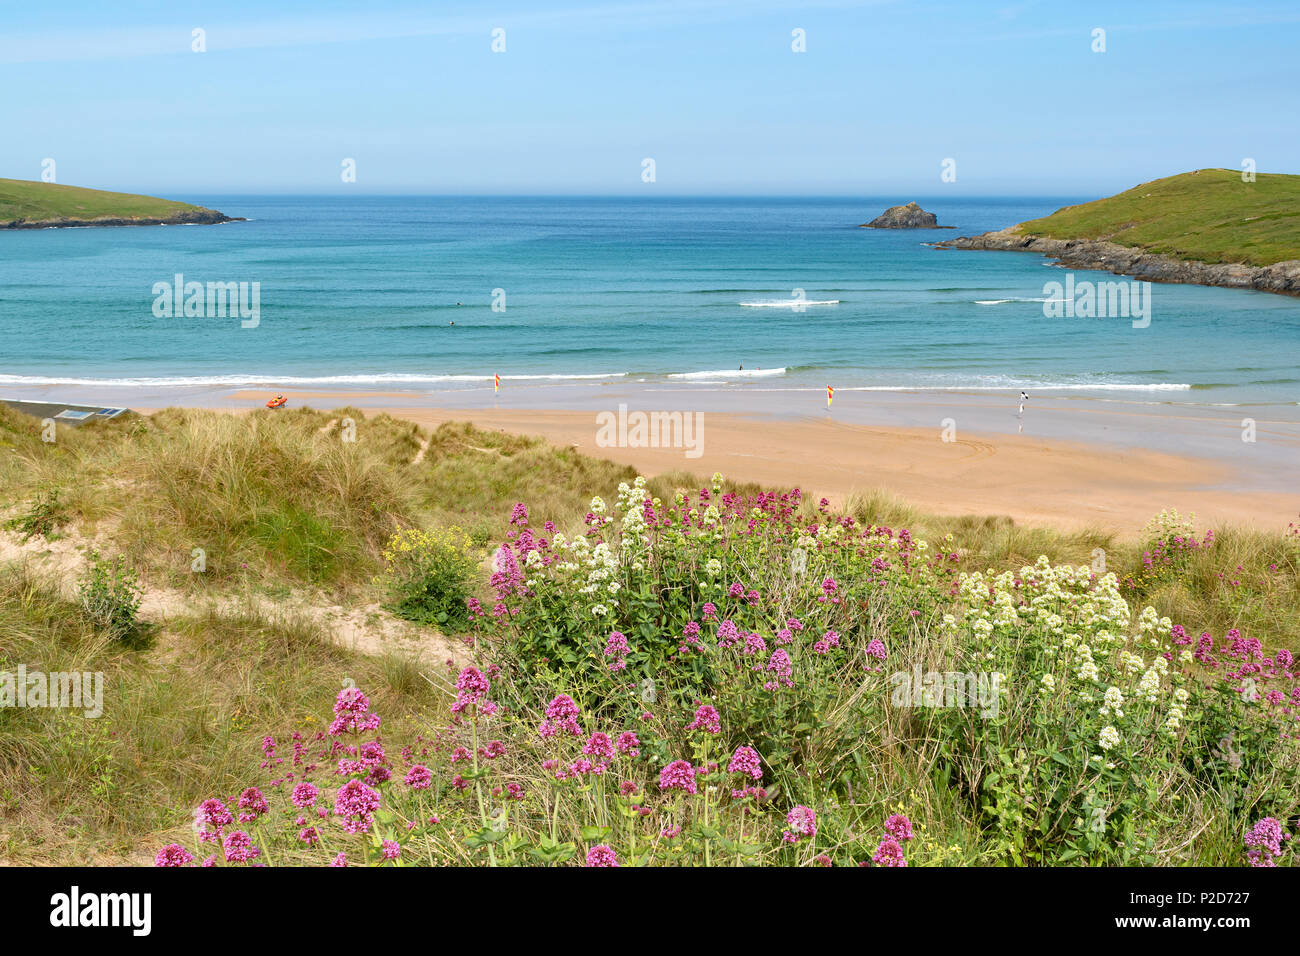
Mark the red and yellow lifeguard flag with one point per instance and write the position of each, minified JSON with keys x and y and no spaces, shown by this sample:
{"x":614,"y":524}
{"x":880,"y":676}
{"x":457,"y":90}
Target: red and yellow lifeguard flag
{"x":498,"y":385}
{"x":830,"y":395}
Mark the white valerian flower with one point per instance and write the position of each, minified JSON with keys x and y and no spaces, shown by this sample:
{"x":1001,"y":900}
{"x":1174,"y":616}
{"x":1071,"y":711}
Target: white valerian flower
{"x":599,"y":610}
{"x":713,"y":567}
{"x":1175,"y":719}
{"x":1113,"y":701}
{"x":597,"y":505}
{"x":1109,"y":737}
{"x":1149,"y":685}
{"x":1049,"y":683}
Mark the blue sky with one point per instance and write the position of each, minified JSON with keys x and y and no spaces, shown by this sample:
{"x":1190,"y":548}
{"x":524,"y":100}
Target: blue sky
{"x":710,"y":89}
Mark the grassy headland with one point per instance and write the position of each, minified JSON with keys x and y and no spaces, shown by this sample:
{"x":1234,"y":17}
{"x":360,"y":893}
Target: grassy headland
{"x":1209,"y":215}
{"x":28,"y":204}
{"x":290,"y":513}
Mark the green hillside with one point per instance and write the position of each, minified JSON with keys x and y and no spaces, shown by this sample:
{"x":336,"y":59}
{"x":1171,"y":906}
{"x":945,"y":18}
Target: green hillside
{"x":1209,"y":215}
{"x":39,"y":202}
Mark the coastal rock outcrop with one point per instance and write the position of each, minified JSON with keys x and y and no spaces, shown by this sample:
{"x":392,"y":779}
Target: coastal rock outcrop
{"x":1098,"y":254}
{"x":910,"y":216}
{"x":180,"y":218}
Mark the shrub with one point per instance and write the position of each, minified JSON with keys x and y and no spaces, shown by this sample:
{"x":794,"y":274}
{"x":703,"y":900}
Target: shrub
{"x":110,"y":595}
{"x":428,"y":575}
{"x":45,"y":516}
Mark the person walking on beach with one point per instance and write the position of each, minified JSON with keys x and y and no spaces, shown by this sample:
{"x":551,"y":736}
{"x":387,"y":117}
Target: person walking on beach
{"x":1020,"y":425}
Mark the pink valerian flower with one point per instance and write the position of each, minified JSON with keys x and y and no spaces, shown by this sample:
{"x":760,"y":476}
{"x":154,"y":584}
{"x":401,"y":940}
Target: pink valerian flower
{"x":598,"y":745}
{"x":561,"y":717}
{"x":803,"y":823}
{"x":391,"y":849}
{"x":173,"y":854}
{"x":419,"y":777}
{"x":356,"y":804}
{"x":779,"y":665}
{"x":583,"y":767}
{"x":678,"y":775}
{"x":728,"y":634}
{"x":794,"y":624}
{"x":889,"y":853}
{"x":629,"y":744}
{"x":252,"y":805}
{"x":601,"y":855}
{"x":829,"y":639}
{"x":493,"y":750}
{"x":876,"y":649}
{"x":746,"y":761}
{"x":519,"y":514}
{"x":507,"y":580}
{"x":309,"y":835}
{"x":783,"y":637}
{"x":304,"y":795}
{"x":238,"y":847}
{"x":461,"y":753}
{"x":754,"y":644}
{"x":352,"y":713}
{"x":1265,"y":842}
{"x":211,"y":819}
{"x":899,"y":827}
{"x":708,"y":612}
{"x":471,"y":687}
{"x":670,"y":832}
{"x":706,"y":719}
{"x":690,"y":638}
{"x":616,"y":647}
{"x":822,"y":860}
{"x":340,"y":860}
{"x":736,"y":590}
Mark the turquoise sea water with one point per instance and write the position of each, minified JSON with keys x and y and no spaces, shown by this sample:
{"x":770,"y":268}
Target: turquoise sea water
{"x":361,"y":292}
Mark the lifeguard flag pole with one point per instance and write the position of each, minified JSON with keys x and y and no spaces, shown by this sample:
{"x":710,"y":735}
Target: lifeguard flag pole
{"x":498,"y":383}
{"x":830,"y":395}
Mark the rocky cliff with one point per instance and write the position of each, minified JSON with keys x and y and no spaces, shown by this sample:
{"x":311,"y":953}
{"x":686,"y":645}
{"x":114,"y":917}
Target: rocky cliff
{"x":180,"y":218}
{"x":1281,"y":277}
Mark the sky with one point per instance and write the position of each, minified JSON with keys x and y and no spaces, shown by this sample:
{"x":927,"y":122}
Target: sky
{"x":283,"y":93}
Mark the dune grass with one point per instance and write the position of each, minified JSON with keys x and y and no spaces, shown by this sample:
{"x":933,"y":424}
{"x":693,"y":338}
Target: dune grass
{"x":180,"y":721}
{"x":1209,"y":215}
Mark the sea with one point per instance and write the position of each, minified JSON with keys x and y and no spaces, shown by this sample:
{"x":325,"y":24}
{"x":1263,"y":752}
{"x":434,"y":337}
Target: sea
{"x":438,"y":295}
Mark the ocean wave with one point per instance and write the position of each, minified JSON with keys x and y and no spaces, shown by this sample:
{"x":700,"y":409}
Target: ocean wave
{"x":1027,"y":386}
{"x":729,"y":373}
{"x":1012,"y":299}
{"x":243,"y":381}
{"x":788,"y":303}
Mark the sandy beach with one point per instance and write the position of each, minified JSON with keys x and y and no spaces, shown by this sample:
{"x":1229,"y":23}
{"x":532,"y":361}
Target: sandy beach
{"x":1033,"y":479}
